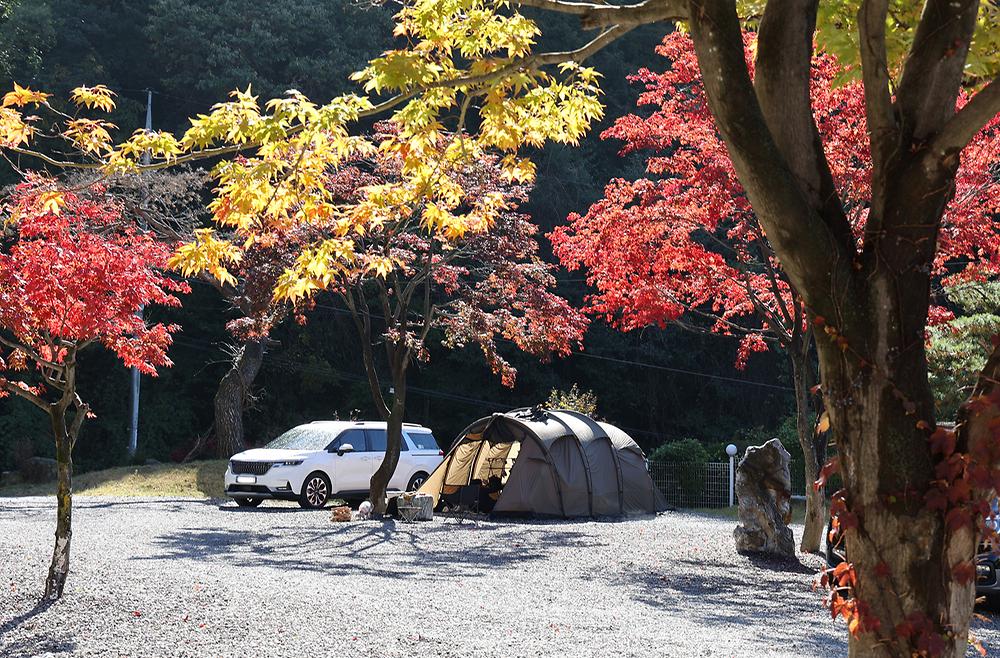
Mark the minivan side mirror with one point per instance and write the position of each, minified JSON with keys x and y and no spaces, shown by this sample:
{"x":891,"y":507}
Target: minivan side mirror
{"x":347,"y":447}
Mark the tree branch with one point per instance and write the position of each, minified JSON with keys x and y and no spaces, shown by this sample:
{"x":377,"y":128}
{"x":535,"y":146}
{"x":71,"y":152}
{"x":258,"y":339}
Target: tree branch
{"x":524,"y":63}
{"x":11,"y":387}
{"x":82,"y":409}
{"x":782,"y":84}
{"x":932,"y":73}
{"x":972,"y":118}
{"x":882,"y":128}
{"x":601,"y":15}
{"x":811,"y":253}
{"x":362,"y":322}
{"x":35,"y":356}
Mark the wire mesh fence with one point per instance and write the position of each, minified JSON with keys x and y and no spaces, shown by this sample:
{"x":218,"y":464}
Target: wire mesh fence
{"x":704,"y":485}
{"x":798,"y":480}
{"x":692,"y":485}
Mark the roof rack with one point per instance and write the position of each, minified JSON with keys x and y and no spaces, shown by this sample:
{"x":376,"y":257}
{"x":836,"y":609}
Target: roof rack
{"x":359,"y":422}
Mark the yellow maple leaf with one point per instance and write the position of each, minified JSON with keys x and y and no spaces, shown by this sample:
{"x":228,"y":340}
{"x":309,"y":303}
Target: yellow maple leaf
{"x":51,"y":202}
{"x":21,"y":96}
{"x":97,"y":96}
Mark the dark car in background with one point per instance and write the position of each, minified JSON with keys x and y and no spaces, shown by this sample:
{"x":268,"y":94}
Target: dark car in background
{"x":987,"y":562}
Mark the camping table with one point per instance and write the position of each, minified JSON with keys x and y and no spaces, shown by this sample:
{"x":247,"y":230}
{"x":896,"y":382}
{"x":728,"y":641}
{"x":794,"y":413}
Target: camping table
{"x":408,"y":513}
{"x":415,"y":507}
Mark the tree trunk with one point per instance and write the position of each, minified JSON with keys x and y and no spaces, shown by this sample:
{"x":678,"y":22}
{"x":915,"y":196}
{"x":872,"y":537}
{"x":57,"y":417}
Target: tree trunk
{"x":394,"y":442}
{"x":231,"y":399}
{"x":813,"y":448}
{"x":59,"y":568}
{"x":877,"y":395}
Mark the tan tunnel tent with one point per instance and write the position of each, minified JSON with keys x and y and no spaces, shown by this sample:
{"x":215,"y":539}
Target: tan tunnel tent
{"x":546,"y":463}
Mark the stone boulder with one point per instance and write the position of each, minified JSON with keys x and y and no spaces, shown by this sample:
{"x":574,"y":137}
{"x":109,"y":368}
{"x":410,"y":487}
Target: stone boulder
{"x":764,"y":493}
{"x":39,"y":469}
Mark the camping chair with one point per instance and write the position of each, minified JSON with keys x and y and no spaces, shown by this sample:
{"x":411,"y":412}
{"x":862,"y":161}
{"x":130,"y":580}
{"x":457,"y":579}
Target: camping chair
{"x":468,"y":500}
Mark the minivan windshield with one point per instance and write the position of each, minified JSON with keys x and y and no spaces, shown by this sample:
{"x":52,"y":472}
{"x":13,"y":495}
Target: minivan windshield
{"x":302,"y":438}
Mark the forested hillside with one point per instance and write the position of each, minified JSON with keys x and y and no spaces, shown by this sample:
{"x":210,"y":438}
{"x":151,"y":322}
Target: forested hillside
{"x":660,"y":384}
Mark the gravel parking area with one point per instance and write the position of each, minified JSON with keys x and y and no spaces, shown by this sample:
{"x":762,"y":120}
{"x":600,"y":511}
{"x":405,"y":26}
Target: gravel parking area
{"x":193,"y":578}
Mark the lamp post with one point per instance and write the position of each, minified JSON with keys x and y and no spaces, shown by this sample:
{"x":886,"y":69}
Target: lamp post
{"x":731,"y":451}
{"x":134,"y":381}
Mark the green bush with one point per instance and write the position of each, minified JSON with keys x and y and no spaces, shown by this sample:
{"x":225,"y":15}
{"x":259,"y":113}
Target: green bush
{"x":684,"y":483}
{"x":574,"y":399}
{"x":685,"y":451}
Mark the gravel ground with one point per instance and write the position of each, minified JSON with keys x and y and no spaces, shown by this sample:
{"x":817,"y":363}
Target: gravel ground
{"x":193,"y":578}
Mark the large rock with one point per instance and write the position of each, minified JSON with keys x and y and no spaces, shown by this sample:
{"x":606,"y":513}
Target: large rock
{"x":764,"y":492}
{"x":39,"y":469}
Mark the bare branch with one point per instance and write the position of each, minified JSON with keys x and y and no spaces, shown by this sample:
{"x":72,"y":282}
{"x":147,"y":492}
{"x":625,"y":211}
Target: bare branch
{"x":782,"y":84}
{"x":82,"y":409}
{"x":962,"y":127}
{"x":12,"y":387}
{"x":932,"y":73}
{"x":601,"y":15}
{"x":882,"y":126}
{"x":362,"y":321}
{"x":812,"y":253}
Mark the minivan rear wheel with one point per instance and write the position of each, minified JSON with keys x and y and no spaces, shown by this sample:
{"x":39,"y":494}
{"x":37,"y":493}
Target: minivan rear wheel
{"x":315,"y":491}
{"x":416,"y":481}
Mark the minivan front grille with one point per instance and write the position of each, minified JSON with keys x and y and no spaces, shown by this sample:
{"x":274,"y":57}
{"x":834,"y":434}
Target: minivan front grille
{"x":249,"y":468}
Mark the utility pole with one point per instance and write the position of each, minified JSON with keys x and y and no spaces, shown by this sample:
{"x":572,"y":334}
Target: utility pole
{"x":133,"y":429}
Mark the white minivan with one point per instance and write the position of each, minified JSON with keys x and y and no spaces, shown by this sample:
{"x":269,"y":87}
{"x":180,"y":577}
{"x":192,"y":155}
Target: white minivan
{"x":325,"y":459}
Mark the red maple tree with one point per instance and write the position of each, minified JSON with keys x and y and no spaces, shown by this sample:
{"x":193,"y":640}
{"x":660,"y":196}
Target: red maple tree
{"x":74,"y":273}
{"x":682,"y":245}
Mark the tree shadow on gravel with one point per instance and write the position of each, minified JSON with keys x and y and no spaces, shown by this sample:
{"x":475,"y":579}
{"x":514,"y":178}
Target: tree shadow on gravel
{"x":34,"y":644}
{"x":716,"y":595}
{"x":411,"y":552}
{"x":233,"y":509}
{"x":778,"y":563}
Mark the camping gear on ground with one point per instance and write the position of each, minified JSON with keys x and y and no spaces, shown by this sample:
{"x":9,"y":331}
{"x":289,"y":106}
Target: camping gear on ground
{"x":341,"y":513}
{"x":546,"y":463}
{"x":413,"y":506}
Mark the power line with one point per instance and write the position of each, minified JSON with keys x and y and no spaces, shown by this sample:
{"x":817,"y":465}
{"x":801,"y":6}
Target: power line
{"x":641,"y":364}
{"x":588,"y":355}
{"x":681,"y":371}
{"x":290,"y":365}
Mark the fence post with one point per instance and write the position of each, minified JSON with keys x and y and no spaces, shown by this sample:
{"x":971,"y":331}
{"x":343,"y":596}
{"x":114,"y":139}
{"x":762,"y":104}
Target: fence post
{"x":731,"y":451}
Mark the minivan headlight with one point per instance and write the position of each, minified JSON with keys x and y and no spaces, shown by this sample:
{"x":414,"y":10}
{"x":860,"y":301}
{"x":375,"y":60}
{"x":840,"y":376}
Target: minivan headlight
{"x":288,"y":463}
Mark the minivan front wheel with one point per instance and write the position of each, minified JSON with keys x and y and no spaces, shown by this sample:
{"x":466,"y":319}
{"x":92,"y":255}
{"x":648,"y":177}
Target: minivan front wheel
{"x":417,"y":481}
{"x":315,"y":491}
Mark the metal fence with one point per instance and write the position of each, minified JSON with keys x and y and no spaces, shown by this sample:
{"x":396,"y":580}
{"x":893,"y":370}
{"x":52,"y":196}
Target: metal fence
{"x":704,"y":485}
{"x":798,"y":480}
{"x":692,"y":485}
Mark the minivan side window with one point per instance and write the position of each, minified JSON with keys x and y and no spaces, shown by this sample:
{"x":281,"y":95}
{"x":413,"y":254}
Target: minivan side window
{"x":423,"y":441}
{"x":376,"y":440}
{"x":355,"y":437}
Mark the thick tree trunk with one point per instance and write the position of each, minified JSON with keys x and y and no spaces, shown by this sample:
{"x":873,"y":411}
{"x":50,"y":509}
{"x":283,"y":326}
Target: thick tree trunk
{"x":813,"y":451}
{"x":913,"y":577}
{"x":876,"y":392}
{"x":59,"y":568}
{"x":394,"y":442}
{"x":231,"y":399}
